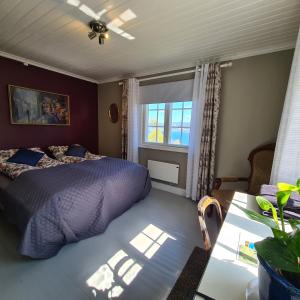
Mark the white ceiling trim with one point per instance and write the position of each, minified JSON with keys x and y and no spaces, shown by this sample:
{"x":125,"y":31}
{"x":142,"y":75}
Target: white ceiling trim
{"x":26,"y":61}
{"x":221,"y":58}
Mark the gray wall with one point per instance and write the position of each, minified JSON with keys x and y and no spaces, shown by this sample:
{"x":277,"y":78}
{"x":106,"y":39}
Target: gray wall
{"x":253,"y":91}
{"x":109,"y":133}
{"x":166,"y":156}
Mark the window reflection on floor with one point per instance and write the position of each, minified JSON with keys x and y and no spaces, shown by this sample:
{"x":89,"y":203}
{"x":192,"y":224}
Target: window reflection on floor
{"x":120,"y":270}
{"x":150,"y":240}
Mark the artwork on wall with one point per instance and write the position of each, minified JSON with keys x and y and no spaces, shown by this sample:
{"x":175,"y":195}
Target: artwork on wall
{"x":34,"y":107}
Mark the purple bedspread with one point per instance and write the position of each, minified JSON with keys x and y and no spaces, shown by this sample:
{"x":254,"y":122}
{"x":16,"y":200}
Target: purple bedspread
{"x":64,"y":204}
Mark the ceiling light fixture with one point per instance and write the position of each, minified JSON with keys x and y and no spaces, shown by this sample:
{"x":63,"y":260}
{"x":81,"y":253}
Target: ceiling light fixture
{"x":102,"y":37}
{"x":98,"y":27}
{"x":92,"y":35}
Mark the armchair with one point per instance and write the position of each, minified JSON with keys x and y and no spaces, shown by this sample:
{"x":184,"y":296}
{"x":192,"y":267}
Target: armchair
{"x":261,"y":159}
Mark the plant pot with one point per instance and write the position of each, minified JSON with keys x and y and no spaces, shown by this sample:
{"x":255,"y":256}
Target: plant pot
{"x":272,"y":286}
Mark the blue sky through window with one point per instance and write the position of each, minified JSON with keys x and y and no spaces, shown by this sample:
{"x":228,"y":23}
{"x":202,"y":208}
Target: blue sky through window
{"x":178,"y":129}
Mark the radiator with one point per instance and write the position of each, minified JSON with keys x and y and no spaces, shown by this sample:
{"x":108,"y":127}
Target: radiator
{"x":163,"y":171}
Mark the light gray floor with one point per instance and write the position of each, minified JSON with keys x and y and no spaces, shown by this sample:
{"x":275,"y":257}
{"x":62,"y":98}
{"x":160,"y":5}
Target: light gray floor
{"x":108,"y":266}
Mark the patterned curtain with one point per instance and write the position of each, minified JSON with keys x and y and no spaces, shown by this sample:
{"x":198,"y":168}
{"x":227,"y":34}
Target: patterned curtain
{"x":124,"y":119}
{"x":209,"y":131}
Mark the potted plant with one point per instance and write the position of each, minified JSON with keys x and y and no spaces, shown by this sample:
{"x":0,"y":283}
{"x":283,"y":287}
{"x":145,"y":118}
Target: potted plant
{"x":279,"y":256}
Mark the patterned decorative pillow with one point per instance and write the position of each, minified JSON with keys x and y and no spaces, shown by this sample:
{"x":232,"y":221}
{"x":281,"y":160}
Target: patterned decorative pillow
{"x":36,"y":149}
{"x":59,"y":153}
{"x":91,"y":156}
{"x":71,"y":159}
{"x":6,"y":154}
{"x":26,"y":157}
{"x":47,"y":162}
{"x":13,"y":170}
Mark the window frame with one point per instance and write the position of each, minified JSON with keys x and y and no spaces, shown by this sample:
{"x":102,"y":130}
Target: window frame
{"x":167,"y":126}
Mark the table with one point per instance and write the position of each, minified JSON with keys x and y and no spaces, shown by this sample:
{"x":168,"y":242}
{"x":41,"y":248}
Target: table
{"x":226,"y":277}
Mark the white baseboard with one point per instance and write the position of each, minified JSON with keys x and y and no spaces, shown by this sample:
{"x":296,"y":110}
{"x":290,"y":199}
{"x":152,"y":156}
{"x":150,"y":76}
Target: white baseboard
{"x":168,"y":188}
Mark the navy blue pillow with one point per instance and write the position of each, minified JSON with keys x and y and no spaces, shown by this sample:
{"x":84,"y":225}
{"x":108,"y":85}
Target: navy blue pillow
{"x":26,"y":157}
{"x":76,"y":150}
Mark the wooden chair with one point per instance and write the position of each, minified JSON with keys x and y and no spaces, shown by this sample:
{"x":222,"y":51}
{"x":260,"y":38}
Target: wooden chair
{"x":203,"y":204}
{"x":261,"y":160}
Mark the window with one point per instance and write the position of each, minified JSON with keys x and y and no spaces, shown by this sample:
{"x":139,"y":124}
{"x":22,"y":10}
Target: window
{"x":155,"y":122}
{"x":181,"y":113}
{"x":167,"y":123}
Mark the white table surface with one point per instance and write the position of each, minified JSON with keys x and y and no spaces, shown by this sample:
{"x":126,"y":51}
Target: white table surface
{"x":226,"y":278}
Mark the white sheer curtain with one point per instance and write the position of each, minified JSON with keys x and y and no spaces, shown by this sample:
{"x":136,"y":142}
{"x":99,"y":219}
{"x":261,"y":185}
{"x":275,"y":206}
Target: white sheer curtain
{"x":133,"y":120}
{"x":196,"y":131}
{"x":286,"y":165}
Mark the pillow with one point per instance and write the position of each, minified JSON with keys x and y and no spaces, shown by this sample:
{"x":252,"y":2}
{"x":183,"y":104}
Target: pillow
{"x":90,"y":156}
{"x":36,"y":149}
{"x":13,"y":170}
{"x":47,"y":162}
{"x":76,"y":150}
{"x":71,"y":159}
{"x":6,"y":154}
{"x":58,"y":151}
{"x":26,"y":157}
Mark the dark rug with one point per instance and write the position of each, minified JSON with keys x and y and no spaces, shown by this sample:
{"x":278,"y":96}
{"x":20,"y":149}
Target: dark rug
{"x":190,"y":276}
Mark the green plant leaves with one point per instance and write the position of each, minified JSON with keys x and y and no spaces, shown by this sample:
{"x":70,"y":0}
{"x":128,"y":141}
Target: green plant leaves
{"x":287,"y":187}
{"x":295,"y":224}
{"x":294,"y":245}
{"x":282,"y":198}
{"x":258,"y":217}
{"x":298,"y":185}
{"x":279,"y":234}
{"x":283,"y":251}
{"x":280,"y":255}
{"x":266,"y":205}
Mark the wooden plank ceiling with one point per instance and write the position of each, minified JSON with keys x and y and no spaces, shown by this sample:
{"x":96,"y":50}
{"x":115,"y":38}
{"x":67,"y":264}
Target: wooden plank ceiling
{"x":168,"y":33}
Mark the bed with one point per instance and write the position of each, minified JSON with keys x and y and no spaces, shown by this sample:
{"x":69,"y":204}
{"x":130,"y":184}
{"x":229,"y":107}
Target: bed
{"x":66,"y":203}
{"x":4,"y":181}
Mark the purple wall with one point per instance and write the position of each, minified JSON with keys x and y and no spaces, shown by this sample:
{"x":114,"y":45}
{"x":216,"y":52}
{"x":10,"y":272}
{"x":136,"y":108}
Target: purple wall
{"x":83,"y":106}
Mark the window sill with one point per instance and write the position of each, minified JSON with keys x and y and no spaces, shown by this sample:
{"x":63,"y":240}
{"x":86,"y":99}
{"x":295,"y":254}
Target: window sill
{"x":165,"y":148}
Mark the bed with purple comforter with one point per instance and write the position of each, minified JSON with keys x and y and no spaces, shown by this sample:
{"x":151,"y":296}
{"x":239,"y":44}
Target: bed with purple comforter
{"x":64,"y":204}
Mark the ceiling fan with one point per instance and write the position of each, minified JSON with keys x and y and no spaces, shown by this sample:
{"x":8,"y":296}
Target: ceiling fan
{"x":99,"y":27}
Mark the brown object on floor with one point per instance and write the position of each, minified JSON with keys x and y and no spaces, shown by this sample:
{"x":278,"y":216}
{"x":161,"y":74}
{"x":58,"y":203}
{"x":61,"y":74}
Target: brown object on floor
{"x":261,"y":160}
{"x":203,"y":204}
{"x":190,"y":276}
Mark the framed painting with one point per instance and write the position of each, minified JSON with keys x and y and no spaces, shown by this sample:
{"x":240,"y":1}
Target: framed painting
{"x":34,"y":107}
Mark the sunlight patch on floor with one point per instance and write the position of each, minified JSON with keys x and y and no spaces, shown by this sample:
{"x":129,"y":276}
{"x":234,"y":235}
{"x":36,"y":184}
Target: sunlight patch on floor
{"x":120,"y":270}
{"x":150,"y":240}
